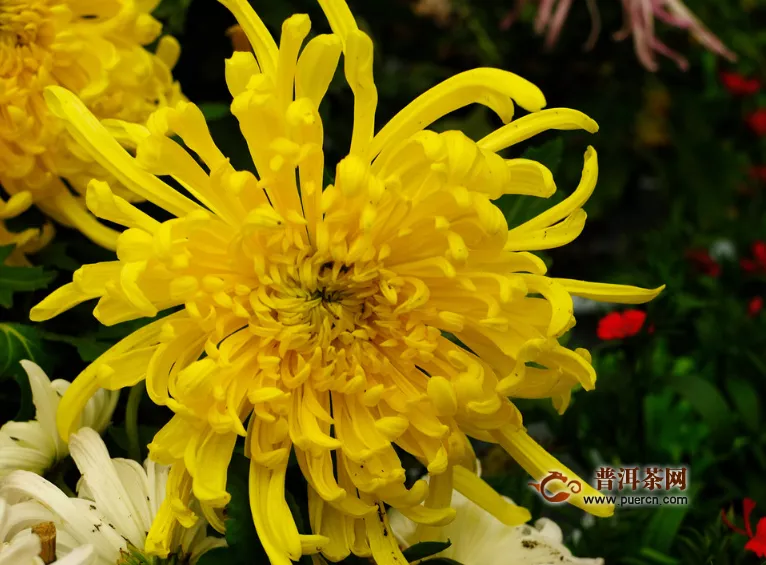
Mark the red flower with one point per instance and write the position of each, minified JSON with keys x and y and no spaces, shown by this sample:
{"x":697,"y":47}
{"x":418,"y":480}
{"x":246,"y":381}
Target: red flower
{"x":757,"y":542}
{"x":758,"y":263}
{"x":616,"y":325}
{"x":738,"y":85}
{"x":754,"y":306}
{"x":757,"y":122}
{"x":703,"y":262}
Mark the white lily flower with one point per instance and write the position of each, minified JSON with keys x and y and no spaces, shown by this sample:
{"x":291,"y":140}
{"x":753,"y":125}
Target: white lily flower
{"x":35,"y":445}
{"x":117,"y":502}
{"x":23,"y":547}
{"x":478,"y":538}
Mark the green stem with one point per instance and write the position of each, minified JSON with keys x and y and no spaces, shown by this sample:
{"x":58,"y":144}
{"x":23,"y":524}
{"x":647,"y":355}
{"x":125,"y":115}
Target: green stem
{"x":131,"y":421}
{"x":58,"y":480}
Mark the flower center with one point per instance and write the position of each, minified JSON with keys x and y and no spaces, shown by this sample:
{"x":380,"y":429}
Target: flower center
{"x":318,"y":303}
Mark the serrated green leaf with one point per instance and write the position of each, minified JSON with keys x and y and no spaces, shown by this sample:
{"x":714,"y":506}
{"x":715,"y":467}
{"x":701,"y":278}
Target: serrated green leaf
{"x":19,"y":279}
{"x":425,"y":549}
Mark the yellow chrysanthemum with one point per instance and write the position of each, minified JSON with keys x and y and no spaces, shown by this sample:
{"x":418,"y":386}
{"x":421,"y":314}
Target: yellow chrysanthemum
{"x":314,"y":320}
{"x":95,"y":49}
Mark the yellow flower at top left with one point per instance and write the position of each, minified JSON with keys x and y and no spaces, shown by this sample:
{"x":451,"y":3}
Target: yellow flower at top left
{"x":95,"y":48}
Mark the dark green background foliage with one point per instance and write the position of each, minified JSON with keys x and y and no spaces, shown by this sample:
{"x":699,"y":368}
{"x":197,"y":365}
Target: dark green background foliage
{"x":674,"y":152}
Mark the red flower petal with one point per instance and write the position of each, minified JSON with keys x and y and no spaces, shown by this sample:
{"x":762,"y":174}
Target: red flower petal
{"x":703,"y":262}
{"x":737,"y":84}
{"x":759,"y":252}
{"x":633,"y":321}
{"x":757,"y":544}
{"x":754,"y":306}
{"x":610,"y":327}
{"x":757,"y":121}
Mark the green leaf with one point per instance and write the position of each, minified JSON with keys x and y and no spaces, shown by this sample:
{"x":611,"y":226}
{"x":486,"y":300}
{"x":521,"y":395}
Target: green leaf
{"x":425,"y":549}
{"x":19,"y":279}
{"x":442,"y":561}
{"x":214,"y":110}
{"x":663,"y":527}
{"x":548,"y":154}
{"x":18,"y":342}
{"x":706,"y":399}
{"x":658,"y":557}
{"x":745,"y":399}
{"x":56,"y":255}
{"x":217,"y":556}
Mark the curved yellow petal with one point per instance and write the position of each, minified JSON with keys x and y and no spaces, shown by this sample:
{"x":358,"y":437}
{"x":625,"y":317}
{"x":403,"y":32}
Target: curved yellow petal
{"x":263,"y":44}
{"x":529,"y":126}
{"x":475,"y":489}
{"x":492,"y":87}
{"x":539,"y":463}
{"x":616,"y":293}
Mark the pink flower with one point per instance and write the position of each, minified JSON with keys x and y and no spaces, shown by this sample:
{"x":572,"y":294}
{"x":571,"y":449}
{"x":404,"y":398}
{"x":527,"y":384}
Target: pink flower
{"x":639,"y":22}
{"x":640,"y":16}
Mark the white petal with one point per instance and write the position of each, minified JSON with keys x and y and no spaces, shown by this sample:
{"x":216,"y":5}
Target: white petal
{"x":99,"y":409}
{"x":31,"y":434}
{"x":44,"y":397}
{"x":92,"y":459}
{"x":23,"y":515}
{"x":22,"y":485}
{"x":157,"y":477}
{"x":549,"y":530}
{"x":133,"y":478}
{"x":83,"y":555}
{"x":15,"y":458}
{"x":21,"y":551}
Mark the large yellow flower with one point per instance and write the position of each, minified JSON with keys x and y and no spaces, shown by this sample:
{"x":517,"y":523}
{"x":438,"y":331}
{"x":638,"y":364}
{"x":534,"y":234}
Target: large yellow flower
{"x":314,"y":319}
{"x":95,"y":49}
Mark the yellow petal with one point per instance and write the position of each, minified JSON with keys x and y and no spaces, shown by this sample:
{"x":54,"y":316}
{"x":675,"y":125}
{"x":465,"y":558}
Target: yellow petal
{"x":603,"y":292}
{"x":340,"y":17}
{"x":316,"y":67}
{"x":95,"y":139}
{"x":539,"y":463}
{"x":213,"y":458}
{"x":475,"y":489}
{"x":529,"y":126}
{"x":263,"y":44}
{"x":574,"y":201}
{"x":385,"y":549}
{"x":492,"y":87}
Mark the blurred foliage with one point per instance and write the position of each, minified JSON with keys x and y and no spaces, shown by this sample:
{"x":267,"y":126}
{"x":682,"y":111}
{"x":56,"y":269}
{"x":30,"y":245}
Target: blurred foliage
{"x":674,"y":153}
